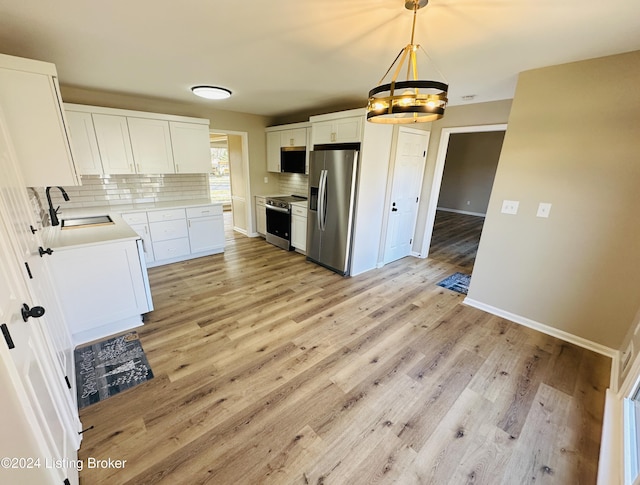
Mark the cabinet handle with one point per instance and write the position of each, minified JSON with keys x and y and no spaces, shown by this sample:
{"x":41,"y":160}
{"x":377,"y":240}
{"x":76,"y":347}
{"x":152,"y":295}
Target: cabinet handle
{"x":291,"y":141}
{"x":189,"y":222}
{"x":138,"y":167}
{"x":131,"y":169}
{"x":146,"y":229}
{"x":333,"y":137}
{"x":177,"y":168}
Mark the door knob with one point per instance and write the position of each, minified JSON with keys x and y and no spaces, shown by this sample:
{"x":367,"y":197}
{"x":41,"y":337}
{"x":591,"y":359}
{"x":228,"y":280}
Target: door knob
{"x":43,"y":251}
{"x":394,"y":208}
{"x":35,"y":312}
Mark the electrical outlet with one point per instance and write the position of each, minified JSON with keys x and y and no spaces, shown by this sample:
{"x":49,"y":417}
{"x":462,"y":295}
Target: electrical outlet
{"x":266,"y":180}
{"x":510,"y":206}
{"x":543,"y":209}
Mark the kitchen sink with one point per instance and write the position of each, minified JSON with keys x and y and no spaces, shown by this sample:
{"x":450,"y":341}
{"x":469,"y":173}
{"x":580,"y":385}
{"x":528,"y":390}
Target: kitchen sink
{"x":79,"y":222}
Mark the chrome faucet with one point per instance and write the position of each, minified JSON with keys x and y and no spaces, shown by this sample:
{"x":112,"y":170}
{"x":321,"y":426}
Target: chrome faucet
{"x":53,"y":213}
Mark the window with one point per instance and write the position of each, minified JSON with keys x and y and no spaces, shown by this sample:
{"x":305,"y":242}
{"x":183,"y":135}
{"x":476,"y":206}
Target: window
{"x":219,"y":178}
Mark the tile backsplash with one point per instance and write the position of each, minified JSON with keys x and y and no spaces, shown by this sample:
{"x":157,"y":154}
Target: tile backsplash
{"x":114,"y":190}
{"x":293,"y":183}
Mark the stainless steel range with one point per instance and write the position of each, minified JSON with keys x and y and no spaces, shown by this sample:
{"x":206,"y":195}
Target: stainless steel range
{"x":279,"y":219}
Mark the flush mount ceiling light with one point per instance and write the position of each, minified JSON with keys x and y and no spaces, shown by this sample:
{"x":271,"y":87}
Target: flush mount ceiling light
{"x":211,"y":92}
{"x":411,"y":100}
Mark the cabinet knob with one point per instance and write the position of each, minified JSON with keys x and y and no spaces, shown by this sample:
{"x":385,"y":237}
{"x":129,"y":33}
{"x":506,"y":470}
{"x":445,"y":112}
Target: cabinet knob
{"x":35,"y":312}
{"x":43,"y":251}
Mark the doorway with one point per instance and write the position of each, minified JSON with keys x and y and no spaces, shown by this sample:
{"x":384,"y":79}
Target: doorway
{"x":466,"y":164}
{"x":219,"y":177}
{"x":229,"y":178}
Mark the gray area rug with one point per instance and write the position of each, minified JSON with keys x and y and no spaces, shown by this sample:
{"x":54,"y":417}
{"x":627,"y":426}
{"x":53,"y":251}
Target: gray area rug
{"x":106,"y":368}
{"x":457,"y":282}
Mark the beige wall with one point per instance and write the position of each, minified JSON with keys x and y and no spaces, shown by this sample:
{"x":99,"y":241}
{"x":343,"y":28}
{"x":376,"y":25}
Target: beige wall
{"x":496,"y":112}
{"x":471,"y":163}
{"x":220,"y":120}
{"x":573,"y":141}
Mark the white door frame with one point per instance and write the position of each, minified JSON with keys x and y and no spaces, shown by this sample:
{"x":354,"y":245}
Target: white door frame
{"x":392,"y":168}
{"x":439,"y":171}
{"x":245,"y":167}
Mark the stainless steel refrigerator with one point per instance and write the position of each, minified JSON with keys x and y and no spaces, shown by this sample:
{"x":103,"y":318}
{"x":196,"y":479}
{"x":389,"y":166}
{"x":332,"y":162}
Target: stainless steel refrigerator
{"x":332,"y":194}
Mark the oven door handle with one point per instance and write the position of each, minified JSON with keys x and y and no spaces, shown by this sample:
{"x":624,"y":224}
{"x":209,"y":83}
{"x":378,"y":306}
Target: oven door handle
{"x":277,"y":209}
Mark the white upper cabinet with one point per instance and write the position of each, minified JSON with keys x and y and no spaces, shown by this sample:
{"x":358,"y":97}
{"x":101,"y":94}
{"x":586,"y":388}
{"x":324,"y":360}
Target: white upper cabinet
{"x":131,"y":142}
{"x":191,"y":147}
{"x":273,"y":151}
{"x":32,"y":106}
{"x":294,"y":138}
{"x":84,"y":144}
{"x":151,"y":144}
{"x":114,"y":144}
{"x":341,"y":130}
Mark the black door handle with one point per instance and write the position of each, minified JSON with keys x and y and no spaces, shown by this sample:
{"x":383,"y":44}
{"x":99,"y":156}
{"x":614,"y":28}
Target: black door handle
{"x":394,"y":208}
{"x":35,"y":312}
{"x":43,"y":251}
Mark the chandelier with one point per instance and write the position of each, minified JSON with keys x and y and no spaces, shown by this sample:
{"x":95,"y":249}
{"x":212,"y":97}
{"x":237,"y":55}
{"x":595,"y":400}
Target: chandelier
{"x":412,"y":100}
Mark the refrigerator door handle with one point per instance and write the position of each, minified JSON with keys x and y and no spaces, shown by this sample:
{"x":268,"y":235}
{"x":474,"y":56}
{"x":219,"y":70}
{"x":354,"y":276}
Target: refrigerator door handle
{"x":323,"y":213}
{"x":322,"y":200}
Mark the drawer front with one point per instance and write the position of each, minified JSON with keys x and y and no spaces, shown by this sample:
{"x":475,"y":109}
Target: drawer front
{"x":174,"y":248}
{"x":166,"y":215}
{"x":298,"y":211}
{"x":204,"y":211}
{"x":260,"y":201}
{"x":135,"y":218}
{"x":162,"y":231}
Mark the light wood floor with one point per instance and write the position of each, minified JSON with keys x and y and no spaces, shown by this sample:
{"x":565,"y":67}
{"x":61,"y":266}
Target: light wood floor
{"x":455,"y":238}
{"x":272,"y":370}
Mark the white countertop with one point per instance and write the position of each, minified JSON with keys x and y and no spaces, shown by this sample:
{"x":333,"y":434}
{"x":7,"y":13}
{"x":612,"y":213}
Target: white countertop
{"x":60,"y":239}
{"x":57,"y":238}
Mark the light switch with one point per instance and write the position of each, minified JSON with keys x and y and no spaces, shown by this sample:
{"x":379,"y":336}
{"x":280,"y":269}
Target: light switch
{"x":510,"y":206}
{"x":543,"y":209}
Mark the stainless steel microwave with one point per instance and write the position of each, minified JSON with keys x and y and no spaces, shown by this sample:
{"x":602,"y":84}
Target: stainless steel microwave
{"x":293,"y":159}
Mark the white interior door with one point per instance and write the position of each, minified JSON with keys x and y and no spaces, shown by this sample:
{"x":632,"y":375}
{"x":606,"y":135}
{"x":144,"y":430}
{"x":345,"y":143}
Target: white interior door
{"x":24,"y":241}
{"x":49,"y":408}
{"x":411,"y":151}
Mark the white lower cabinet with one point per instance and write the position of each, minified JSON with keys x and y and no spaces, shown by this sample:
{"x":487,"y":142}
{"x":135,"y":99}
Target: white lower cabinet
{"x":171,"y":249}
{"x":178,"y":234}
{"x":261,"y":215}
{"x":204,"y":228}
{"x":299,"y":228}
{"x":87,"y":300}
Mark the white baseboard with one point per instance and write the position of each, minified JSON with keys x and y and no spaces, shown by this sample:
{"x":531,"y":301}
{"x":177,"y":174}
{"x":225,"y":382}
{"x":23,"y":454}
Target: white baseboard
{"x":541,"y":327}
{"x":479,"y":214}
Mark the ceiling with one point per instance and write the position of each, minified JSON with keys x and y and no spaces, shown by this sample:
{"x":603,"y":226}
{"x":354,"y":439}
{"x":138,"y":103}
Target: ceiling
{"x":286,"y":56}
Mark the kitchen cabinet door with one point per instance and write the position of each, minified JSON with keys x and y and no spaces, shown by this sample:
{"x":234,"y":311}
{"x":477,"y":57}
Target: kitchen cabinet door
{"x":151,"y":145}
{"x":206,"y":233}
{"x":191,"y":147}
{"x":84,"y":144}
{"x":293,"y":138}
{"x":273,"y":151}
{"x":341,"y":130}
{"x":299,"y":228}
{"x":206,"y":228}
{"x":261,"y":216}
{"x":100,"y":286}
{"x":143,"y":231}
{"x":32,"y":107}
{"x":114,"y":144}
